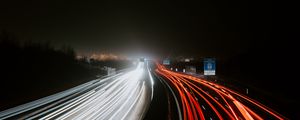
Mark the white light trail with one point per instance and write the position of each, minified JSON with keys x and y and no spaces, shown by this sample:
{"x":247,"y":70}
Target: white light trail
{"x":114,"y":97}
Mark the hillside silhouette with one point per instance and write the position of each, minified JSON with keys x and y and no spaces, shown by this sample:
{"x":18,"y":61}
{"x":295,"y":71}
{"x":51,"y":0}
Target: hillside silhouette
{"x":33,"y":70}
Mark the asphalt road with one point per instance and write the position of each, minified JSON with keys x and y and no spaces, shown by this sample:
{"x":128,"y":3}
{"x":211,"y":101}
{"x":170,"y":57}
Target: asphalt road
{"x":151,"y":92}
{"x":126,"y":95}
{"x":202,"y":99}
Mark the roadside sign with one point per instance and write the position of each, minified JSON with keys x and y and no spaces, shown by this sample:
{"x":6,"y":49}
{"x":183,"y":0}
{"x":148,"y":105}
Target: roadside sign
{"x":209,"y":66}
{"x":166,"y":62}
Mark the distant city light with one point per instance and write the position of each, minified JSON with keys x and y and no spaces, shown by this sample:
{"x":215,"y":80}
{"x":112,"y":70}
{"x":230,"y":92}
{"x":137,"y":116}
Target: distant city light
{"x":103,"y":57}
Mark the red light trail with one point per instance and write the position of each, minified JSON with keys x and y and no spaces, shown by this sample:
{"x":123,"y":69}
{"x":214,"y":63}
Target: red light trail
{"x":231,"y":105}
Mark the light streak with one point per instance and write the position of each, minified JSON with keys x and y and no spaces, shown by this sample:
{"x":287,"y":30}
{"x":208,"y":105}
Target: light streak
{"x":114,"y":97}
{"x":181,"y":81}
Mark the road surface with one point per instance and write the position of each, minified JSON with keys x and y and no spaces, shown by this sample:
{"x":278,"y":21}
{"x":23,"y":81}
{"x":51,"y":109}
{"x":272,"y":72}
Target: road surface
{"x":201,"y":99}
{"x":149,"y":92}
{"x":126,"y":95}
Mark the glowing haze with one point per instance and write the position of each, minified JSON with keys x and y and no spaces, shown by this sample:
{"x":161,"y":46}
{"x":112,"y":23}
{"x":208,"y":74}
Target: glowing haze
{"x":104,"y":56}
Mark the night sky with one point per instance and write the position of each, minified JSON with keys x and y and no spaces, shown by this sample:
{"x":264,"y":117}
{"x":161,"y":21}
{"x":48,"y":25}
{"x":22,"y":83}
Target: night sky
{"x":200,"y":28}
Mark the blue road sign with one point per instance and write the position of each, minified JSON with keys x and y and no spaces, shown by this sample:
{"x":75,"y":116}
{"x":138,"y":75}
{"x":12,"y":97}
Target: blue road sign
{"x":209,"y":66}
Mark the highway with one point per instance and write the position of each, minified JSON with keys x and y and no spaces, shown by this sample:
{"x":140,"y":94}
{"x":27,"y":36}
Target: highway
{"x":201,"y":99}
{"x":126,"y":95}
{"x":150,"y":91}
